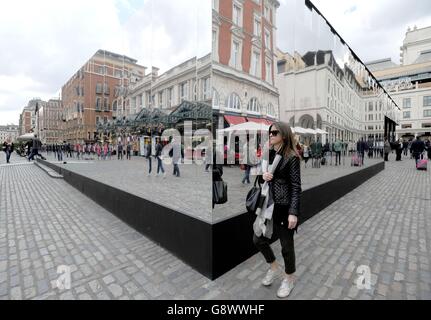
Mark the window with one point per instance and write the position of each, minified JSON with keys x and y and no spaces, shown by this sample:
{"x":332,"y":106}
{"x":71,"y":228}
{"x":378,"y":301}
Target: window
{"x":427,"y":113}
{"x":427,"y":101}
{"x":206,"y":87}
{"x":114,"y":106}
{"x":370,"y":117}
{"x":161,"y":99}
{"x":82,"y":91}
{"x":97,"y":120}
{"x":106,"y":104}
{"x":406,"y":114}
{"x":216,"y":99}
{"x":267,"y":39}
{"x":255,"y":63}
{"x":271,"y":110}
{"x":426,"y":125}
{"x":233,"y":101}
{"x":370,"y":106}
{"x":105,"y":88}
{"x":98,"y":104}
{"x":253,"y":105}
{"x":257,"y":28}
{"x":329,"y":86}
{"x":105,"y":120}
{"x":98,"y":88}
{"x":268,"y":76}
{"x":101,"y":69}
{"x":118,"y":73}
{"x":407,"y":103}
{"x":236,"y":17}
{"x":235,"y":54}
{"x":183,"y":91}
{"x":170,"y":97}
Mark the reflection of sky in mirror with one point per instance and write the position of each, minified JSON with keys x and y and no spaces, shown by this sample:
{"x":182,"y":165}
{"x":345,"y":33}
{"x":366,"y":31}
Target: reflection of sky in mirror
{"x":163,"y":33}
{"x":302,"y":30}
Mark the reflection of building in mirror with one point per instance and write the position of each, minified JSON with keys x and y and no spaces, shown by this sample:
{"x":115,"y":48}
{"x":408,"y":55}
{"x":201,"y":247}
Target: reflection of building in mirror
{"x":327,"y":96}
{"x":188,"y":81}
{"x":243,"y":62}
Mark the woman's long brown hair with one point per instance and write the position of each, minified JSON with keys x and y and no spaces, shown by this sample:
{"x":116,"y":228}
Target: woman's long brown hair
{"x":289,"y":147}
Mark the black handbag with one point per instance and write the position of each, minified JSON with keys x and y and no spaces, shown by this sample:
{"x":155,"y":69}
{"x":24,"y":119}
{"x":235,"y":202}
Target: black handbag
{"x":253,"y":196}
{"x":219,"y":192}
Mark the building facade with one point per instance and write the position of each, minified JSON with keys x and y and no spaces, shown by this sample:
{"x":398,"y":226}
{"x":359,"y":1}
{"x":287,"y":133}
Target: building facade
{"x":317,"y":93}
{"x":243,"y":61}
{"x":9,"y":132}
{"x":409,"y":83}
{"x":97,"y":93}
{"x":188,"y":81}
{"x":49,"y":122}
{"x":28,"y":117}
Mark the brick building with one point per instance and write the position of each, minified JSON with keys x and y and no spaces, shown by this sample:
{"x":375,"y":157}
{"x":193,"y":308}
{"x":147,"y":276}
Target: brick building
{"x":243,"y":42}
{"x":97,"y":93}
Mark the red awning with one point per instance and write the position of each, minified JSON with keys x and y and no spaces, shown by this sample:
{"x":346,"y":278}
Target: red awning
{"x":233,"y":120}
{"x":264,"y":121}
{"x":269,"y":122}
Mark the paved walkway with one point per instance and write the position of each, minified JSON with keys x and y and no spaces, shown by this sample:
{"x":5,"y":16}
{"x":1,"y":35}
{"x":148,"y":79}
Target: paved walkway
{"x":384,"y":224}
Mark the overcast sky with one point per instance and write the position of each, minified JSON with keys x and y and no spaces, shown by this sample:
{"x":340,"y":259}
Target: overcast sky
{"x":45,"y":44}
{"x":374,"y":29}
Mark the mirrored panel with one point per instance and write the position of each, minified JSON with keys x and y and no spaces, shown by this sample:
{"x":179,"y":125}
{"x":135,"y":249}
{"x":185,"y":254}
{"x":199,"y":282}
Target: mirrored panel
{"x":333,"y":105}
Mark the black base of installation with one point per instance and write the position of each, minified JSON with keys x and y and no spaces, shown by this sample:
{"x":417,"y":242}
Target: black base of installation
{"x":211,"y":249}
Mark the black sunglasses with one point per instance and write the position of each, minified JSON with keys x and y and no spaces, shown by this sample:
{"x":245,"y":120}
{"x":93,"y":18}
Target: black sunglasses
{"x":274,"y":132}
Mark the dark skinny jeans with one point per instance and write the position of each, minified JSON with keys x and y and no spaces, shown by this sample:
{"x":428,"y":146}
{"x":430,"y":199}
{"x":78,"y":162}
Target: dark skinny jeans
{"x":287,"y":247}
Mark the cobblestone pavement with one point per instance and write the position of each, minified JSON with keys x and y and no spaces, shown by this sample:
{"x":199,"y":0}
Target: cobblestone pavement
{"x":384,"y":224}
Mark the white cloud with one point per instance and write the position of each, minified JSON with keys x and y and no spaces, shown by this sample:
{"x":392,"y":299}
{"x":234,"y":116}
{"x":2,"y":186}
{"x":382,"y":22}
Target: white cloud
{"x":43,"y":45}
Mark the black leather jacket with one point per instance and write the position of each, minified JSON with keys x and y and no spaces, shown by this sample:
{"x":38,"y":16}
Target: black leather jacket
{"x":286,"y":184}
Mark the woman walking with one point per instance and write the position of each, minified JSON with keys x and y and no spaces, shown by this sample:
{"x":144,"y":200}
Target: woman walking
{"x":285,"y":185}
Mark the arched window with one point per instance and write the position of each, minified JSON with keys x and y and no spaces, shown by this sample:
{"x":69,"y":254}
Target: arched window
{"x":271,"y":110}
{"x":253,"y":105}
{"x":233,"y":101}
{"x":114,"y":105}
{"x":216,"y":99}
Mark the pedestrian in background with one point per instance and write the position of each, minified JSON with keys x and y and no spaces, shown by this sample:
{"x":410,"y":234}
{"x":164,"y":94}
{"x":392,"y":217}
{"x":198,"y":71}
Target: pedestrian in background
{"x":148,"y":156}
{"x":129,"y":151}
{"x":399,"y":149}
{"x":418,"y":147}
{"x":158,"y":156}
{"x":120,"y":151}
{"x":176,"y":156}
{"x":8,"y":149}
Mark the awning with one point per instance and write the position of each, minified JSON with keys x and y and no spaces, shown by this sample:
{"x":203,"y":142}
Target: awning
{"x":259,"y":120}
{"x":233,"y":120}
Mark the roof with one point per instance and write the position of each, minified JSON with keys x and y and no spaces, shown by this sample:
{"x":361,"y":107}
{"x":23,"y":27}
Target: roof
{"x":381,"y":64}
{"x":424,"y":57}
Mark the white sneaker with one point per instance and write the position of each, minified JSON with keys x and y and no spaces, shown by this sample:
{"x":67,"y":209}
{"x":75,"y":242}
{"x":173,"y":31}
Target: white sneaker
{"x":270,"y":276}
{"x":285,"y":288}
